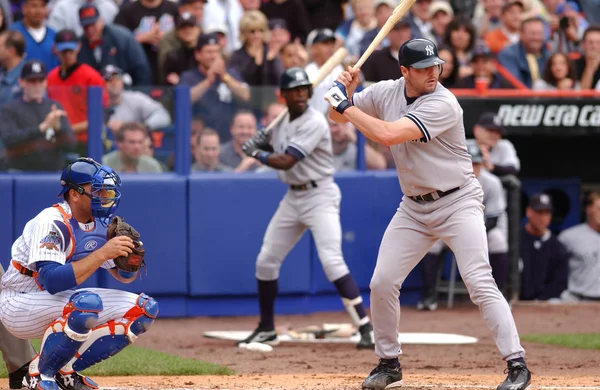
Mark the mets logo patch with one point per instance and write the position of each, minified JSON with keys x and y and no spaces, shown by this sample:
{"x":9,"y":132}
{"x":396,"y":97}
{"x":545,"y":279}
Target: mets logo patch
{"x":52,"y":241}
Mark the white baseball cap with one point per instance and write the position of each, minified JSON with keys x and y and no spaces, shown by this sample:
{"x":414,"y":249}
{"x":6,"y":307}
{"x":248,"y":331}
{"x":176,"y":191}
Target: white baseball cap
{"x":215,"y":28}
{"x":440,"y":5}
{"x":391,"y":3}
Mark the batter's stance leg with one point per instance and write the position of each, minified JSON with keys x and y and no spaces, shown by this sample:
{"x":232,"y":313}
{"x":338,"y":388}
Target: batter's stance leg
{"x":464,"y":232}
{"x":17,"y":354}
{"x":283,"y":232}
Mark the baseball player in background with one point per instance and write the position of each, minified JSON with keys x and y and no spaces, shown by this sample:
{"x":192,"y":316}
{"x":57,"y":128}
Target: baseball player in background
{"x":422,"y":122}
{"x":499,"y":154}
{"x":16,"y":353}
{"x":300,"y":150}
{"x":496,"y":226}
{"x":58,"y":250}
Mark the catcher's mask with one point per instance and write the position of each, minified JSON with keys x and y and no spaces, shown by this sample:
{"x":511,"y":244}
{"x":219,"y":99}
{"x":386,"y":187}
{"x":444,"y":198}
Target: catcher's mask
{"x":102,"y":178}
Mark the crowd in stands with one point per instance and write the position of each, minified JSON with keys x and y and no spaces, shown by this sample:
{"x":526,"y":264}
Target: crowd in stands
{"x":231,"y":53}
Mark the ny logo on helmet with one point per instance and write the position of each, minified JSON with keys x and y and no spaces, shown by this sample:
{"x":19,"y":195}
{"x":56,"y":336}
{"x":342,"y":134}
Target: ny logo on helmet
{"x":299,"y":76}
{"x":429,"y":50}
{"x":36,"y":68}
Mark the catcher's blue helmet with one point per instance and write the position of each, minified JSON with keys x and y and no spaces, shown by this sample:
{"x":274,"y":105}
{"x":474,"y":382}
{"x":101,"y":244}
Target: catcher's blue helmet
{"x":85,"y":170}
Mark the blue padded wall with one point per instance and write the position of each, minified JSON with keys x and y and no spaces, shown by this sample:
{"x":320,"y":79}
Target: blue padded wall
{"x":156,"y":205}
{"x":228,"y":219}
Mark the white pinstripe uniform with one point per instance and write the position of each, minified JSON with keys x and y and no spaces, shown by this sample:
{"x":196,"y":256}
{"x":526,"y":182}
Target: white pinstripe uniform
{"x":25,"y":309}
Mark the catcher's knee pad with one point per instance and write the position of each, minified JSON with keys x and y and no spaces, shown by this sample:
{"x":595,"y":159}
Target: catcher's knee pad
{"x":109,"y":339}
{"x":64,"y":336}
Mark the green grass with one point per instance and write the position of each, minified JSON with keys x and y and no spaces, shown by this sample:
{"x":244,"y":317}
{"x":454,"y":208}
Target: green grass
{"x":141,"y":361}
{"x":579,"y":340}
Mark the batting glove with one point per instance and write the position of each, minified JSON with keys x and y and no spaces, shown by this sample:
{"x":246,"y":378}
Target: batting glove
{"x":251,"y":148}
{"x":338,"y":97}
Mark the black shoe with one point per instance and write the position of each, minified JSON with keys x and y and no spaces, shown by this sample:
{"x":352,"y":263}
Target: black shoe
{"x":36,"y":382}
{"x":519,"y":377}
{"x":387,"y":375}
{"x":428,"y":304}
{"x":74,"y":381}
{"x":15,"y":378}
{"x":366,"y":338}
{"x":262,"y":336}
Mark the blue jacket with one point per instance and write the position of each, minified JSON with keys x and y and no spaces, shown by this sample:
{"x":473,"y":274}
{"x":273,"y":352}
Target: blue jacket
{"x":9,"y":83}
{"x":513,"y":59}
{"x":38,"y":50}
{"x":119,"y":48}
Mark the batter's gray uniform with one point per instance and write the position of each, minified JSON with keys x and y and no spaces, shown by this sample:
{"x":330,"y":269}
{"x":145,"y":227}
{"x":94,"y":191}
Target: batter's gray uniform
{"x":316,"y":209}
{"x":438,"y":161}
{"x":15,"y":352}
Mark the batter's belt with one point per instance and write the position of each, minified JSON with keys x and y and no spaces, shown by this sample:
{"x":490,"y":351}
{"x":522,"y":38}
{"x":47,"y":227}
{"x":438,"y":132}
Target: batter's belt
{"x":303,"y":187}
{"x":435,"y":195}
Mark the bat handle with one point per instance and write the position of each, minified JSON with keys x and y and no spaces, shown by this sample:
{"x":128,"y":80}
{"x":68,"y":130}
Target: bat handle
{"x":275,"y":121}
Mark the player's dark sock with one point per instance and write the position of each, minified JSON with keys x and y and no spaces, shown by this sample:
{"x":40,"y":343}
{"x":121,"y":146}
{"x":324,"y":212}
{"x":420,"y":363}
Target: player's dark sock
{"x":267,"y":292}
{"x":499,"y":263}
{"x":348,"y":289}
{"x":520,"y":360}
{"x":393,"y":362}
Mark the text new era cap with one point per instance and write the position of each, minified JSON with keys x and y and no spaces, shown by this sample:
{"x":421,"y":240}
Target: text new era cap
{"x":540,"y":202}
{"x":33,"y":69}
{"x":66,"y":40}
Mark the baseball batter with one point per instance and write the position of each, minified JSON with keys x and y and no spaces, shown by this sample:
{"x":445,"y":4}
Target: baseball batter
{"x":422,"y":123}
{"x":300,"y":149}
{"x":58,"y":250}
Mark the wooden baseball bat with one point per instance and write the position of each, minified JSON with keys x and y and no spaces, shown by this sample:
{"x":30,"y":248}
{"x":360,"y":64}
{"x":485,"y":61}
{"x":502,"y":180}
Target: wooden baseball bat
{"x":324,"y":70}
{"x":399,"y":12}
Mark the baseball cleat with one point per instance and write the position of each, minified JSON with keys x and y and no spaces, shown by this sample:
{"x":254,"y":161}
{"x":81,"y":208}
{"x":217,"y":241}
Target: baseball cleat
{"x":36,"y":382}
{"x":74,"y":381}
{"x":15,"y":378}
{"x":428,"y":304}
{"x":519,"y":377}
{"x":387,"y":375}
{"x":262,"y":336}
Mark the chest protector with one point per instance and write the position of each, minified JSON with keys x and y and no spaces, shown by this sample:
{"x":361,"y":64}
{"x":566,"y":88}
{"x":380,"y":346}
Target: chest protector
{"x":86,"y":241}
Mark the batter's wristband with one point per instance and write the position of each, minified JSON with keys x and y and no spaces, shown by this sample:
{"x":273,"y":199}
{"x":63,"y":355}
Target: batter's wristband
{"x":263,"y":156}
{"x":343,"y":106}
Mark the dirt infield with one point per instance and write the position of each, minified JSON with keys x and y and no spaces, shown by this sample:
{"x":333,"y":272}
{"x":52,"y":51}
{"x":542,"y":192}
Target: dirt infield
{"x":302,"y":366}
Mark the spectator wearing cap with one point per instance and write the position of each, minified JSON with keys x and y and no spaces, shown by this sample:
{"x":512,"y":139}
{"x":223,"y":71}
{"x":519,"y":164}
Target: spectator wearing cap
{"x":352,"y":31}
{"x":103,"y":44}
{"x":383,"y":63}
{"x":220,"y":31}
{"x":171,"y":40}
{"x":131,"y":106}
{"x":499,"y":154}
{"x":383,"y":10}
{"x":68,"y":83}
{"x":544,"y":260}
{"x":508,"y":31}
{"x":440,"y":14}
{"x":12,"y":54}
{"x":293,"y":12}
{"x":484,"y":70}
{"x":214,"y":88}
{"x":181,"y":59}
{"x":321,"y":45}
{"x":39,"y":38}
{"x":35,"y":130}
{"x":525,"y":60}
{"x":256,"y":62}
{"x":227,"y":13}
{"x":65,"y":13}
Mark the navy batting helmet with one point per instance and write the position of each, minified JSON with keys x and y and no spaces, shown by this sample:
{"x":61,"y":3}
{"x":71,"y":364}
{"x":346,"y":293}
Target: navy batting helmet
{"x":419,"y":53}
{"x":293,"y":78}
{"x":102,"y":178}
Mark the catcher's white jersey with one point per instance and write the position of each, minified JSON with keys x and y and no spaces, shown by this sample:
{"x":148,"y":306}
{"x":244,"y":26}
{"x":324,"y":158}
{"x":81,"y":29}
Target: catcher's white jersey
{"x":52,"y":235}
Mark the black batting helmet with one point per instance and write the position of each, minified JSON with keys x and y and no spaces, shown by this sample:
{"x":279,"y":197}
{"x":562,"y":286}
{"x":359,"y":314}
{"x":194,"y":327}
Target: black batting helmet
{"x":293,"y":78}
{"x":419,"y":53}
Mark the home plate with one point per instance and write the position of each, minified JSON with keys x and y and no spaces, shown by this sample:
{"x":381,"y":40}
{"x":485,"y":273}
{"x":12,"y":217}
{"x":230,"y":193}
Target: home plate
{"x":403,"y":338}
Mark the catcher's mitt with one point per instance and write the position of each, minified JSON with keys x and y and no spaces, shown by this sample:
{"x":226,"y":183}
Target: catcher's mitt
{"x":135,"y":261}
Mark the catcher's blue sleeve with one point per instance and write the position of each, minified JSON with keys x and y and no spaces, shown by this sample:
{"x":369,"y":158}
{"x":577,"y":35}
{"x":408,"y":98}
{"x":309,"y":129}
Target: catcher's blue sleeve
{"x":55,"y":277}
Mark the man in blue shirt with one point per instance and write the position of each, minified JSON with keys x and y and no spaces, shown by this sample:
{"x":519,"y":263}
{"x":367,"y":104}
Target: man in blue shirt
{"x":213,"y":88}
